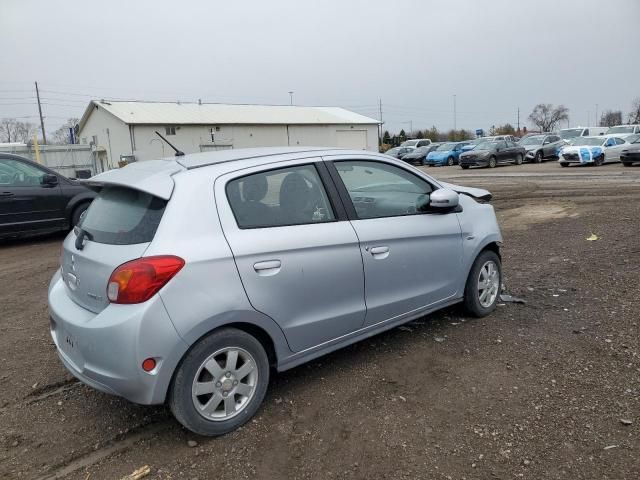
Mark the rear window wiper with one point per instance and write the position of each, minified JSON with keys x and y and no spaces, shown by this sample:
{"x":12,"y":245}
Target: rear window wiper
{"x":81,"y":235}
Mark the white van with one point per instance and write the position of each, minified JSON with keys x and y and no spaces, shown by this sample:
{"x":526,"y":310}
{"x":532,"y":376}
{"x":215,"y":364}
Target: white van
{"x":569,"y":133}
{"x":625,"y":130}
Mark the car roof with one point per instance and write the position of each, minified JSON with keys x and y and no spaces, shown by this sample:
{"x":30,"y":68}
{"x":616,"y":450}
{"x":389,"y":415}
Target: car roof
{"x":154,"y":176}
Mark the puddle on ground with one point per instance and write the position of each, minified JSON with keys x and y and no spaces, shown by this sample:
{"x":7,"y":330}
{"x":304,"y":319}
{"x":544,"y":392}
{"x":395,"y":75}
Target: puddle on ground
{"x":521,"y":217}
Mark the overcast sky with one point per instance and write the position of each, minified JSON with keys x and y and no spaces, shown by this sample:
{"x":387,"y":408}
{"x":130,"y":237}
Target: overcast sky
{"x":495,"y":56}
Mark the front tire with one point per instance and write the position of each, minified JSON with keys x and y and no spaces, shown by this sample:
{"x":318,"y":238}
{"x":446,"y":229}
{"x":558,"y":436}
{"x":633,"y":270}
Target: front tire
{"x":564,"y":164}
{"x":492,"y":162}
{"x":626,"y":164}
{"x":220,"y":383}
{"x":519,"y":160}
{"x":450,"y":162}
{"x":482,"y":290}
{"x":464,"y":167}
{"x":599,"y":161}
{"x":538,"y":157}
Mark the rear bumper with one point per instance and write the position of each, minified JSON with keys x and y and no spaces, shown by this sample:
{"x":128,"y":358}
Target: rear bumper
{"x":106,"y":350}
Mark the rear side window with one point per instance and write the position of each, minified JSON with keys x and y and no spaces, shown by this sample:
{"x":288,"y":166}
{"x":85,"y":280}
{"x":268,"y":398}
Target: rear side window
{"x":123,"y":216}
{"x":275,"y":198}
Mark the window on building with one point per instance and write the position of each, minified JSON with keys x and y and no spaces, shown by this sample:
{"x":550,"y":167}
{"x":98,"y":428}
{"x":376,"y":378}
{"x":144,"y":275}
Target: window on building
{"x":170,"y":130}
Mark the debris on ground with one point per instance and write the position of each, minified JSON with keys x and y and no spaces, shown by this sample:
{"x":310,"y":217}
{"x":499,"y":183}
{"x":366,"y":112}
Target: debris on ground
{"x":139,"y":473}
{"x":626,"y":421}
{"x":192,"y":443}
{"x":504,"y":297}
{"x":592,"y":238}
{"x":439,"y":339}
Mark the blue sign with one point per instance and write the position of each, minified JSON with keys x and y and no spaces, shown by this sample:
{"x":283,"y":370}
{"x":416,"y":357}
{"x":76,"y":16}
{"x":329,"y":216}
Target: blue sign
{"x":479,"y":132}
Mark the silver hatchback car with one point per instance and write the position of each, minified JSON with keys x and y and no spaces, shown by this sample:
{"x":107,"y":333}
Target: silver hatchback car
{"x":188,"y":279}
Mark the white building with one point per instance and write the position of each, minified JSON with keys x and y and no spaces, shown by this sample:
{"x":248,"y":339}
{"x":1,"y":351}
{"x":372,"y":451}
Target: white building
{"x":126,"y":130}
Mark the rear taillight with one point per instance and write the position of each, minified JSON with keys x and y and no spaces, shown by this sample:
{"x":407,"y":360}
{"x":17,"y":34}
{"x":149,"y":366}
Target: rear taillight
{"x":139,"y":280}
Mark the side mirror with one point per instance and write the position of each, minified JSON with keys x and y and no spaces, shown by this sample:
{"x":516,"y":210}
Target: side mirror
{"x":49,"y":180}
{"x":444,"y":198}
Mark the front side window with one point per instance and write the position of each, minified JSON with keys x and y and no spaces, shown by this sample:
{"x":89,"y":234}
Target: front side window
{"x":276,"y":198}
{"x":14,"y":173}
{"x":619,"y":141}
{"x":380,"y":190}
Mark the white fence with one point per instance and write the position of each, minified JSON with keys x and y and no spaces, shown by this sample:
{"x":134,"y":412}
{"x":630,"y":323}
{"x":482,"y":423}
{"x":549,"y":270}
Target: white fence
{"x":65,"y":159}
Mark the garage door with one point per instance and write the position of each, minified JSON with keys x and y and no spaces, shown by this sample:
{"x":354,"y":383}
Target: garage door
{"x":352,"y":139}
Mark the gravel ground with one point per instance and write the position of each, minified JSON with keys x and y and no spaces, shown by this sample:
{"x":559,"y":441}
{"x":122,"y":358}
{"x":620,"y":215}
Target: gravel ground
{"x":548,"y":389}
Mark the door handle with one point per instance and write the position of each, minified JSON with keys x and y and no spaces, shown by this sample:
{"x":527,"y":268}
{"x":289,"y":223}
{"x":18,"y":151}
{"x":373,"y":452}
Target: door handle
{"x":379,"y":253}
{"x":267,"y":268}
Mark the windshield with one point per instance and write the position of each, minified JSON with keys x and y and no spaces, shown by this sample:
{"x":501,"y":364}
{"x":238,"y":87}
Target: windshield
{"x":421,"y":150}
{"x":123,"y":216}
{"x":633,"y":139}
{"x":445,"y":147}
{"x":588,"y":141}
{"x":409,"y":143}
{"x":485,"y":145}
{"x":534,"y":140}
{"x":621,"y":129}
{"x":393,"y":151}
{"x":570,"y":133}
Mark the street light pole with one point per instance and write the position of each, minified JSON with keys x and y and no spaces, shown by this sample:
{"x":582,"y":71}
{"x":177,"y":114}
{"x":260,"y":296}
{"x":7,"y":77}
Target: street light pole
{"x":290,"y":98}
{"x":454,"y":112}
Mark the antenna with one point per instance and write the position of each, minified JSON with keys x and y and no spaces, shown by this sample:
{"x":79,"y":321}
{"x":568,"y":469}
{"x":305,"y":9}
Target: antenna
{"x":178,"y":152}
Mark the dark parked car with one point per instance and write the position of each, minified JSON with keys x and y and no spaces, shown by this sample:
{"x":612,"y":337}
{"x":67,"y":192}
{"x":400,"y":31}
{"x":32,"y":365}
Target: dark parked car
{"x":34,"y":198}
{"x":399,"y":152}
{"x":541,"y":147}
{"x":631,"y":154}
{"x":418,"y":156}
{"x":491,"y":153}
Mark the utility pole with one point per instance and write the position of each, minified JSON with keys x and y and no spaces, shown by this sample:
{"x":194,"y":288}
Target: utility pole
{"x":291,"y":98}
{"x":454,"y":112}
{"x":381,"y":122}
{"x":518,"y":119}
{"x":44,"y":135}
{"x":597,"y":122}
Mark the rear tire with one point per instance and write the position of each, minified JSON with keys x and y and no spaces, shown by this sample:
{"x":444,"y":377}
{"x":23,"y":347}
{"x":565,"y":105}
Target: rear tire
{"x":492,"y":162}
{"x":473,"y":293}
{"x":450,"y":162}
{"x":599,"y":161}
{"x":518,"y":159}
{"x":190,"y":409}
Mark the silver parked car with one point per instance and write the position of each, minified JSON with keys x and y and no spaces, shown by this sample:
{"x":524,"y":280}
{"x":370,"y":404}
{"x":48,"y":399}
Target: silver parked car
{"x":187,"y":279}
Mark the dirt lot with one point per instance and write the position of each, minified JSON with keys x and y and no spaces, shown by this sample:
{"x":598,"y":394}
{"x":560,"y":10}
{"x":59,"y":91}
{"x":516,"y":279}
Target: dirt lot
{"x":550,"y":389}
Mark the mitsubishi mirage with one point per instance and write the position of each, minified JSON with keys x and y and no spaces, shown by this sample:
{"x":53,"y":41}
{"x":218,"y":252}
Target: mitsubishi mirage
{"x":189,"y":281}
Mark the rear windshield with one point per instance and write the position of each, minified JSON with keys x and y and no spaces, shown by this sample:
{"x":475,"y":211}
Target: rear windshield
{"x":123,"y":216}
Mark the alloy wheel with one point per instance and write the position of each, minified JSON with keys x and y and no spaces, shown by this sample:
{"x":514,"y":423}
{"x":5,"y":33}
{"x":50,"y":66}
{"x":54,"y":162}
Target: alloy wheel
{"x":488,"y":284}
{"x":224,"y":384}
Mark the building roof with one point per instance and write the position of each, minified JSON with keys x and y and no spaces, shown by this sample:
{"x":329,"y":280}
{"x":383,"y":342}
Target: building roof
{"x":166,"y":113}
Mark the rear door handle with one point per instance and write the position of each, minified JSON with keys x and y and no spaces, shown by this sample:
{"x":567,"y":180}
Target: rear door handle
{"x":267,"y":268}
{"x":380,"y":252}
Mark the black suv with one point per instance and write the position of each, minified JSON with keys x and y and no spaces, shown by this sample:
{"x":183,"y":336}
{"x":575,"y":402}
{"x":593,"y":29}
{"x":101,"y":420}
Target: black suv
{"x":34,"y":198}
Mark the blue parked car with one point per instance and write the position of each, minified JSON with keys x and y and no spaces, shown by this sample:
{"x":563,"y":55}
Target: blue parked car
{"x":446,"y":154}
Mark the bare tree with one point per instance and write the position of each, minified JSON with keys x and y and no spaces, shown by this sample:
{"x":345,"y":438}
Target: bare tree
{"x":61,"y":136}
{"x":634,"y":115}
{"x":12,"y":130}
{"x":611,"y":118}
{"x":8,"y":130}
{"x":546,"y":117}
